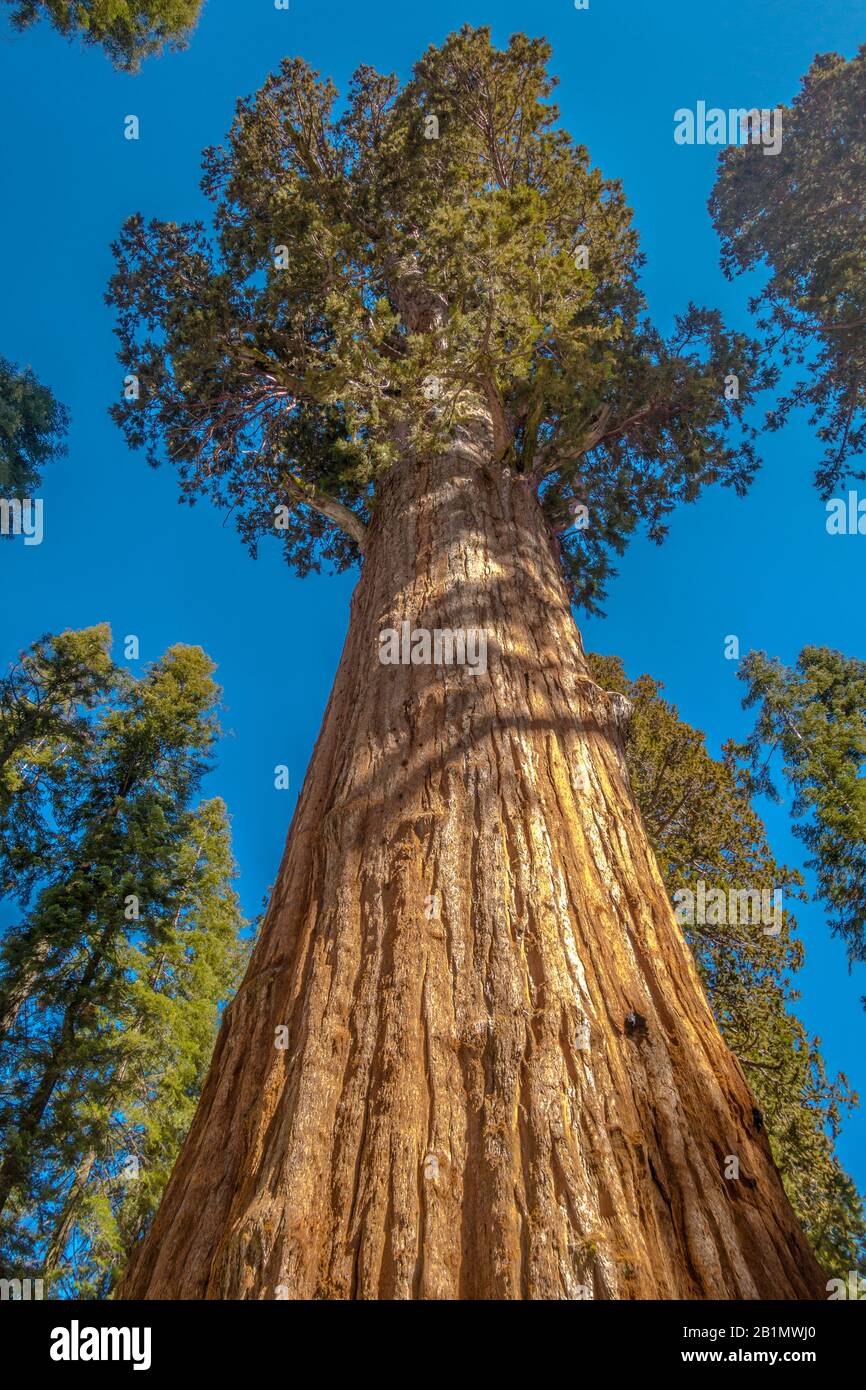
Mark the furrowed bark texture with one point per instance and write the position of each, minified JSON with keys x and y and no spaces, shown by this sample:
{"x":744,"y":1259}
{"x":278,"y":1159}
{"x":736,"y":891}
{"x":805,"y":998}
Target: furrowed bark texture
{"x":502,"y":1077}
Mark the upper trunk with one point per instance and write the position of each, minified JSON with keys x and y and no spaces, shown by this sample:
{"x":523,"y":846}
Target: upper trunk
{"x":502,"y":1078}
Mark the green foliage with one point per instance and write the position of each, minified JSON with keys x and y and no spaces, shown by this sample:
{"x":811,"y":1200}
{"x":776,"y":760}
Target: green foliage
{"x":32,"y":426}
{"x":703,"y":827}
{"x":127,"y":30}
{"x":815,"y":716}
{"x":127,"y":940}
{"x":424,"y":283}
{"x":46,"y":739}
{"x":799,"y":213}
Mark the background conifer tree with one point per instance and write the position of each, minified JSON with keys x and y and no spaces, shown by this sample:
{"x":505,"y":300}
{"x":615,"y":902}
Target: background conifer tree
{"x":814,"y":716}
{"x":124,"y":943}
{"x":799,"y":215}
{"x":32,"y":430}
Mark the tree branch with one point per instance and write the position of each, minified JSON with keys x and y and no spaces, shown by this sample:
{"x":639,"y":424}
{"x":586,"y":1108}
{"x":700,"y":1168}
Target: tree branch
{"x":341,"y":515}
{"x":548,"y":460}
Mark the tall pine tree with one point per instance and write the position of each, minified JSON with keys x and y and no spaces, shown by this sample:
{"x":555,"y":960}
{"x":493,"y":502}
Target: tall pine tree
{"x":47,"y":702}
{"x":125,"y":943}
{"x":129,"y":1131}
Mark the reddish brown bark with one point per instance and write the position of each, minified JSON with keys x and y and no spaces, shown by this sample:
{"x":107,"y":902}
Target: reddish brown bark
{"x":502,"y":1077}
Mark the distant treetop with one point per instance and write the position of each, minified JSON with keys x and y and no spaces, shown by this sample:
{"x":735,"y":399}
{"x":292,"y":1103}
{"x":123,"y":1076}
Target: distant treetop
{"x":32,"y":429}
{"x":128,"y":30}
{"x":799,"y":215}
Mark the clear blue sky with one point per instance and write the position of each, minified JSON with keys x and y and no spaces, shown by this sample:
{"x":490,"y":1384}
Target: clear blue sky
{"x":119,"y":548}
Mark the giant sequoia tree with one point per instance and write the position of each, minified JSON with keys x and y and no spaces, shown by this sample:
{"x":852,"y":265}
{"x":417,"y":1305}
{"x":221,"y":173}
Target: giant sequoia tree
{"x":471,"y":1056}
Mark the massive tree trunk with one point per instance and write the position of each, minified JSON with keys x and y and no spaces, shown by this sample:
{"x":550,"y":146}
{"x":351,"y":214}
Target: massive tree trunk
{"x":502,"y":1078}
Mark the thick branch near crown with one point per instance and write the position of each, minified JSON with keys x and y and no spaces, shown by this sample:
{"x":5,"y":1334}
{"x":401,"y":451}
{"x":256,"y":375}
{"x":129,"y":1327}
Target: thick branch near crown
{"x":549,"y":458}
{"x":341,"y":515}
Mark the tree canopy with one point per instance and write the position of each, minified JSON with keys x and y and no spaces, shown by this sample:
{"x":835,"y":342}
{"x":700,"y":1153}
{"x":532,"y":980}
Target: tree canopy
{"x":377,"y":275}
{"x":799,"y":215}
{"x":127,"y":30}
{"x":32,"y":429}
